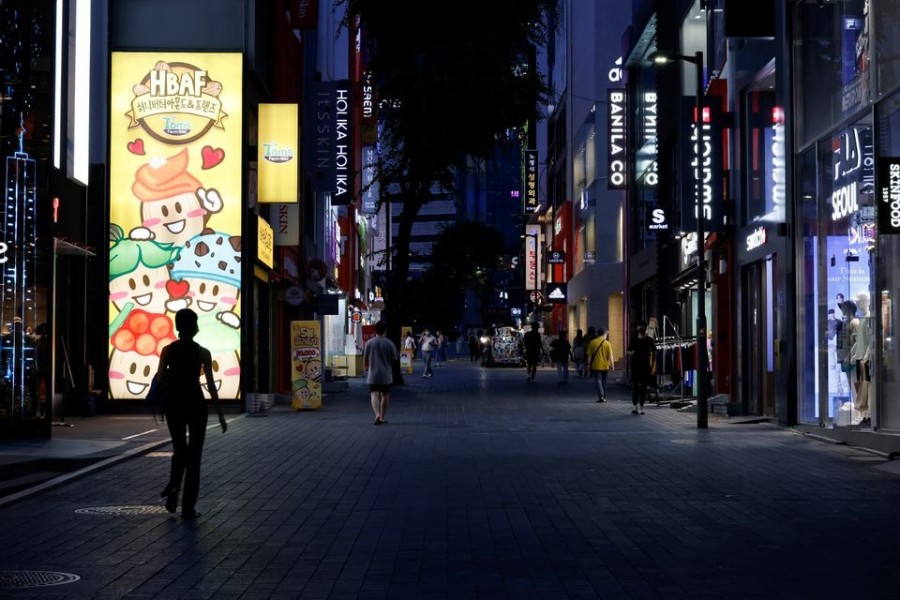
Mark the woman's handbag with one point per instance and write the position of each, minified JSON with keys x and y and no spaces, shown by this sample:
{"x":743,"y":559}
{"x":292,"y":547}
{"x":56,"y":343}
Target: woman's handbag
{"x":156,"y":397}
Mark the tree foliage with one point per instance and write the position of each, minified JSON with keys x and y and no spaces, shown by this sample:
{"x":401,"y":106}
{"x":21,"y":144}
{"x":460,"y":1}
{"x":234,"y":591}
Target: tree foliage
{"x":446,"y":87}
{"x":465,"y":255}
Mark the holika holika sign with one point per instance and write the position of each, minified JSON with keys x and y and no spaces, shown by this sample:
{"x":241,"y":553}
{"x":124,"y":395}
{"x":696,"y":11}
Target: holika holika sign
{"x":175,"y":190}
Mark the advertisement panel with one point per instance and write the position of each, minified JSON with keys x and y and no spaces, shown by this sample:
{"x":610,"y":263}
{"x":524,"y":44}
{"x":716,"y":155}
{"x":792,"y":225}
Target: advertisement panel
{"x":306,"y":363}
{"x":277,"y":153}
{"x":265,"y":243}
{"x":174,"y":211}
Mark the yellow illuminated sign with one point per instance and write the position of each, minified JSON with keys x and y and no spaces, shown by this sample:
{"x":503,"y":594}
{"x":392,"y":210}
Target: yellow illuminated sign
{"x":265,"y":246}
{"x":278,"y":153}
{"x":175,"y":197}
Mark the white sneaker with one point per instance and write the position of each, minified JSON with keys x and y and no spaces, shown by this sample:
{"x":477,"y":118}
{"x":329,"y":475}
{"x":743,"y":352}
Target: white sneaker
{"x":640,"y":412}
{"x":634,"y":412}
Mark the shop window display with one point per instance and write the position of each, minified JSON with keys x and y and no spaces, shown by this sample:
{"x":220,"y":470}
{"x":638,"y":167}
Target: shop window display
{"x":849,"y":217}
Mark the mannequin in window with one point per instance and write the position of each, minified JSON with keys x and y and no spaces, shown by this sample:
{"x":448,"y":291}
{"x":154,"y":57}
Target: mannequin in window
{"x":861,"y":354}
{"x":846,"y":337}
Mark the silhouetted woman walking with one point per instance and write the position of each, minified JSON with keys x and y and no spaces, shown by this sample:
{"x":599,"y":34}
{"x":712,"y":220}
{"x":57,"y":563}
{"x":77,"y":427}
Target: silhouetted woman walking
{"x":180,"y":365}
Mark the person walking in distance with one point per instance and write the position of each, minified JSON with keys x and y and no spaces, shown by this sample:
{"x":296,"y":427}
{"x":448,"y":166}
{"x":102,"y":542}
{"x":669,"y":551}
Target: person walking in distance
{"x":440,"y":349}
{"x":642,"y":351}
{"x":409,"y":345}
{"x":578,"y":352}
{"x":533,"y":348}
{"x":586,"y":364}
{"x":379,"y":356}
{"x":428,"y":344}
{"x":180,"y":365}
{"x":600,"y":361}
{"x":474,"y":348}
{"x":560,"y":353}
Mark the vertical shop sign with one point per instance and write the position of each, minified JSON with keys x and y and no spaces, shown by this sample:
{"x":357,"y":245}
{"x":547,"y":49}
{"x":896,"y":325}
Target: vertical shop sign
{"x":370,"y":189}
{"x":304,"y":14}
{"x":647,"y":166}
{"x":531,"y":181}
{"x":617,"y":140}
{"x":318,"y":136}
{"x":306,"y":363}
{"x":277,"y":153}
{"x":340,"y":194}
{"x":702,"y":172}
{"x":174,"y":211}
{"x":265,"y":243}
{"x":888,"y":195}
{"x":532,"y":257}
{"x":285,"y":220}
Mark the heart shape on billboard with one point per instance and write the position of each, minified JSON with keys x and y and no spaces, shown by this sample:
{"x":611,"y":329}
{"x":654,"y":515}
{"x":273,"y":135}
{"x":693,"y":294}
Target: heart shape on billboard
{"x":136,"y":147}
{"x":212,"y":156}
{"x":177,"y":289}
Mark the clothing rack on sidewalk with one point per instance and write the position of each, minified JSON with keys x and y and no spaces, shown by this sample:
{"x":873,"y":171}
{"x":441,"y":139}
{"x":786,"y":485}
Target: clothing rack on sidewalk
{"x":669,"y":350}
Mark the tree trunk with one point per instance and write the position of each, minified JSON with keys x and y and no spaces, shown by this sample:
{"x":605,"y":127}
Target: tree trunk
{"x":396,"y":300}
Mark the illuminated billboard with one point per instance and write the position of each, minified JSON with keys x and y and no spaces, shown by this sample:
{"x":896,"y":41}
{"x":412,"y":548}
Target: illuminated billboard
{"x":175,"y":211}
{"x":278,"y":153}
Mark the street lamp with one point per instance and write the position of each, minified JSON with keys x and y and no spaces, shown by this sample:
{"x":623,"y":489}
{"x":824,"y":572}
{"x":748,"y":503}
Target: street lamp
{"x":661,"y":58}
{"x":534,"y":299}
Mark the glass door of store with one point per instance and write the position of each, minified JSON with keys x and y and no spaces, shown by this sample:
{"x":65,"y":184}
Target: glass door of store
{"x":759,"y":360}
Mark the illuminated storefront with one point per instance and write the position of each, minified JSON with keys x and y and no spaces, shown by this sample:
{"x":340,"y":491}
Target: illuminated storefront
{"x":175,"y":211}
{"x":847,"y":245}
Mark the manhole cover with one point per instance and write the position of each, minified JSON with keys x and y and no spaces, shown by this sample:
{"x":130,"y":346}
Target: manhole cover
{"x":14,"y":580}
{"x":122,"y":510}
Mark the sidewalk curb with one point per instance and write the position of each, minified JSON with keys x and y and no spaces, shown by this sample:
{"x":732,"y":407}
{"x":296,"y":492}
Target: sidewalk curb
{"x":92,"y":468}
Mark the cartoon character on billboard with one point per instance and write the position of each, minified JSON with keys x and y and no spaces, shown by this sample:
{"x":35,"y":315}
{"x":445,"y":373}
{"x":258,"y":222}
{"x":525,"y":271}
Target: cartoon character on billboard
{"x":175,"y":206}
{"x":211,"y":262}
{"x":138,"y":272}
{"x":138,"y":338}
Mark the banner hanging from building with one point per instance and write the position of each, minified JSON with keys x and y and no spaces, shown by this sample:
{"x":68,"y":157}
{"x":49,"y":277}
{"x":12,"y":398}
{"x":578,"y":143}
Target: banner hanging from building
{"x":285,"y":220}
{"x":327,"y":133}
{"x":616,"y":139}
{"x":530,"y":179}
{"x":175,"y":205}
{"x":277,"y":153}
{"x":888,"y":195}
{"x":701,"y":169}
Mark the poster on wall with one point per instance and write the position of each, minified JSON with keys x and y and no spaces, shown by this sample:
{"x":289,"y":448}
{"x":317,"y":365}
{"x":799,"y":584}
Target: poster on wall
{"x":406,"y":355}
{"x":174,"y":212}
{"x":306,"y":365}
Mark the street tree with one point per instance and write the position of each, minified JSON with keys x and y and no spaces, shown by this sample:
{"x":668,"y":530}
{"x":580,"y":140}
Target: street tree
{"x":448,"y":84}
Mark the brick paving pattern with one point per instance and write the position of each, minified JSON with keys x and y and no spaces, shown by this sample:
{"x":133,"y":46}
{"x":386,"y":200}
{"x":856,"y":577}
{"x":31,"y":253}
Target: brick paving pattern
{"x":480,"y":486}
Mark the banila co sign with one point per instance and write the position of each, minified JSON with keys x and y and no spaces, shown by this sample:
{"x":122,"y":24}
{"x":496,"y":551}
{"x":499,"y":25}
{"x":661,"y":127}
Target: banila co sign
{"x":616,"y":136}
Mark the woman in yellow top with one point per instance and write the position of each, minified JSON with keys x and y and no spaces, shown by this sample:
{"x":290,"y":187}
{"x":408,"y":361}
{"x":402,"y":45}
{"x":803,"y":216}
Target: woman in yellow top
{"x":600,"y":360}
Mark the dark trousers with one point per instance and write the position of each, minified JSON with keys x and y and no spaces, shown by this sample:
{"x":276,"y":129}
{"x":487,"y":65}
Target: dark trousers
{"x":187,"y":451}
{"x":640,"y":387}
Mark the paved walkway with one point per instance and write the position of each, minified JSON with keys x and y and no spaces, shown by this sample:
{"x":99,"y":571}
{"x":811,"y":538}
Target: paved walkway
{"x":481,"y":486}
